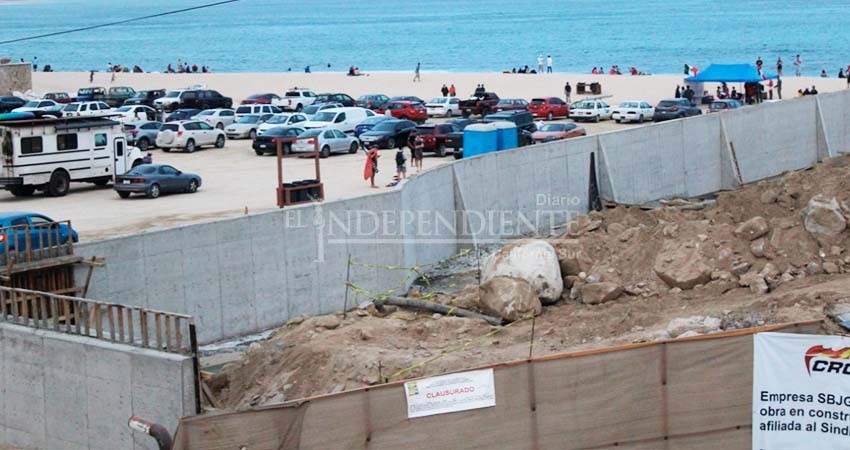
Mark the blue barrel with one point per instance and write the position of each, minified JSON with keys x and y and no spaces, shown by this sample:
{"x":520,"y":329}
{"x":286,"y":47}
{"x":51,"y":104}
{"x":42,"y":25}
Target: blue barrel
{"x":480,"y":138}
{"x":508,"y":135}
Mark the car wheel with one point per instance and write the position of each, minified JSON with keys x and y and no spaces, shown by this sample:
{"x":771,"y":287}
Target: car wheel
{"x":391,"y":143}
{"x":465,"y":114}
{"x":190,"y":145}
{"x":596,"y":119}
{"x":102,"y":181}
{"x":22,"y":191}
{"x":259,"y":153}
{"x":549,"y":116}
{"x":353,"y":148}
{"x":325,"y":152}
{"x":299,"y":108}
{"x":457,"y":154}
{"x":193,"y":186}
{"x":485,"y":112}
{"x":153,"y":191}
{"x":640,"y":118}
{"x":220,"y":126}
{"x":449,"y":113}
{"x":441,"y":150}
{"x":219,"y":142}
{"x":252,"y":134}
{"x":59,"y":184}
{"x":143,"y":144}
{"x":124,"y":194}
{"x":166,"y":149}
{"x":287,"y":148}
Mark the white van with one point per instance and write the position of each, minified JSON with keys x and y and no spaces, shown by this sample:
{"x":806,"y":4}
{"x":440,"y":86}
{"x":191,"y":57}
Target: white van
{"x":342,"y":119}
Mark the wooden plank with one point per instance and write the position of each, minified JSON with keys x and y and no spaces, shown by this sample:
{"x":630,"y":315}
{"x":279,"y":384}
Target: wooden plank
{"x":86,"y":316}
{"x":76,"y":307}
{"x":130,"y":325}
{"x":208,"y":393}
{"x":98,"y":321}
{"x":120,"y":313}
{"x":143,"y":323}
{"x":178,"y":331}
{"x":168,"y":342}
{"x":111,"y":319}
{"x":54,"y":312}
{"x":158,"y":331}
{"x":28,"y":242}
{"x":88,"y":280}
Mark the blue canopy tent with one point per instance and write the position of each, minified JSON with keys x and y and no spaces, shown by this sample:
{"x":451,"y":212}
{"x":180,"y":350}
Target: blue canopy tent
{"x":730,"y":73}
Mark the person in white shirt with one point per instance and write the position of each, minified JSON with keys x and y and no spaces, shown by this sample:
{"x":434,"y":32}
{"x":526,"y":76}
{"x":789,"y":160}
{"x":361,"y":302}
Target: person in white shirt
{"x":798,"y":65}
{"x":539,"y":63}
{"x":549,"y":64}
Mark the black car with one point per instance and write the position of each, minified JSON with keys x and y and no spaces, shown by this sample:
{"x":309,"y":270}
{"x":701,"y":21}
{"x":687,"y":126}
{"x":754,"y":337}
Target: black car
{"x":388,"y":134}
{"x":155,"y":179}
{"x":195,"y":99}
{"x":523,"y":120}
{"x":337,"y":97}
{"x":371,"y":101}
{"x":675,"y":108}
{"x":454,"y":140}
{"x":9,"y":102}
{"x":267,"y":142}
{"x":182,"y":114}
{"x":145,"y":97}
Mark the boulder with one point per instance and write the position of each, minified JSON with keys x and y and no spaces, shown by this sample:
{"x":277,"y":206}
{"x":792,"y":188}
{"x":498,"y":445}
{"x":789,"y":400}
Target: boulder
{"x":595,"y":293}
{"x":830,"y":268}
{"x":532,"y":260}
{"x":758,"y":248}
{"x":616,"y":229}
{"x":822,"y":217}
{"x":509,"y":298}
{"x":753,"y":228}
{"x":754,"y":281}
{"x":681,"y":266}
{"x":571,"y":257}
{"x":698,"y":324}
{"x":328,"y":322}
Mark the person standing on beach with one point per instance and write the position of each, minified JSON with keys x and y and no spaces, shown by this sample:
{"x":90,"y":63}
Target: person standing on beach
{"x":452,"y":90}
{"x":678,"y":92}
{"x":779,"y":66}
{"x":371,"y":168}
{"x":779,"y":88}
{"x":91,"y":76}
{"x":416,"y":75}
{"x":759,"y":64}
{"x":549,"y":64}
{"x":445,"y":91}
{"x":539,"y":63}
{"x":400,"y":168}
{"x":568,"y":90}
{"x":417,"y":149}
{"x":798,"y":66}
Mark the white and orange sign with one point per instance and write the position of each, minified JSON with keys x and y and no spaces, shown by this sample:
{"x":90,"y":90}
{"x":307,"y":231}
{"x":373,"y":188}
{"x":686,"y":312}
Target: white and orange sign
{"x":450,"y":393}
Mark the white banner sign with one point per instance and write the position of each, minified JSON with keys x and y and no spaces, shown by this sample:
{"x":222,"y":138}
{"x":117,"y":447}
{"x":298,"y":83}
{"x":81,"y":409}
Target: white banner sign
{"x":450,"y":393}
{"x":801,"y":392}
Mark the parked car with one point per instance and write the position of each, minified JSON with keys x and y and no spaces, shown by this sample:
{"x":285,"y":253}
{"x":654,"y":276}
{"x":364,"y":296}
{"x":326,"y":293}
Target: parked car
{"x":135,"y":112}
{"x":58,"y":97}
{"x":188,"y":135}
{"x":10,"y":102}
{"x":434,"y":136}
{"x":675,"y":108}
{"x":79,"y":109}
{"x":345,"y":99}
{"x":31,"y":227}
{"x":297,"y":99}
{"x":479,"y":104}
{"x":40,"y":105}
{"x":724,"y":105}
{"x":330,"y":141}
{"x":281,"y":120}
{"x":443,"y":106}
{"x":633,"y":111}
{"x":405,"y":110}
{"x":407,"y":98}
{"x":511,"y":104}
{"x":154,"y":180}
{"x":590,"y":110}
{"x":371,"y":101}
{"x":342,"y":119}
{"x":548,"y":107}
{"x":557,"y":131}
{"x":267,"y":141}
{"x":145,"y":97}
{"x":89,"y":94}
{"x":116,"y":95}
{"x":244,"y":110}
{"x":522,"y":119}
{"x":311,"y":110}
{"x":217,"y":118}
{"x":454,"y":140}
{"x":367,"y":124}
{"x":388,"y":134}
{"x":142,"y":133}
{"x":246,"y":126}
{"x":194,"y":99}
{"x":182,"y":114}
{"x":263,"y":99}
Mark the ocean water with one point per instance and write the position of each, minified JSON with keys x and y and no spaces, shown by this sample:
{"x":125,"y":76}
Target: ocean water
{"x":656,"y":36}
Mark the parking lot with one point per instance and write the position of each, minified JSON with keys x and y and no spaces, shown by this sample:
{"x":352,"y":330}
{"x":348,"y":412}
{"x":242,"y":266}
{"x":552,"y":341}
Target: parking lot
{"x":234,"y":179}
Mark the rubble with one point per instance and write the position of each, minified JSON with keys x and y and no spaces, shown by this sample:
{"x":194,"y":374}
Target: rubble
{"x":532,"y":260}
{"x":509,"y":298}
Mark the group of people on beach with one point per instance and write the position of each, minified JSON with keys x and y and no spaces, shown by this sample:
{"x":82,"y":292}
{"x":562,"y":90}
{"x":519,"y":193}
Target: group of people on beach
{"x":540,"y":67}
{"x":184,"y":67}
{"x":615,"y":70}
{"x":448,"y":91}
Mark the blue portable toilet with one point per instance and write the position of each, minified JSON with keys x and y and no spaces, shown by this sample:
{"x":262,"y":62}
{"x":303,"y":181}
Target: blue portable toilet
{"x":507,"y":134}
{"x":480,"y":138}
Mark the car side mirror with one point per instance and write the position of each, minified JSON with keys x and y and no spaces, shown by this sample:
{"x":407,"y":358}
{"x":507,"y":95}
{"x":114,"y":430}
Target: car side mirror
{"x":179,"y":173}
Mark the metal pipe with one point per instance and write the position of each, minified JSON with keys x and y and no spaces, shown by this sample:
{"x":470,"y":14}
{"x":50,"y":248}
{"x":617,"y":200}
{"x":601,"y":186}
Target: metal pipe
{"x":152,"y":429}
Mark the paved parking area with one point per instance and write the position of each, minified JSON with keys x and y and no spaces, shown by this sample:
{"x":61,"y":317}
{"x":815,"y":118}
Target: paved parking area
{"x":234,"y":179}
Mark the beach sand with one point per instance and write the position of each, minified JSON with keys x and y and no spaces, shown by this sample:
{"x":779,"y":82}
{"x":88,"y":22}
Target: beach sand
{"x":651,"y":88}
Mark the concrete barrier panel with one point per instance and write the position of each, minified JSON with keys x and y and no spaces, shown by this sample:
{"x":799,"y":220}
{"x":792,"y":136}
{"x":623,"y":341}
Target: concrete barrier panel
{"x":701,"y":155}
{"x":835,"y":108}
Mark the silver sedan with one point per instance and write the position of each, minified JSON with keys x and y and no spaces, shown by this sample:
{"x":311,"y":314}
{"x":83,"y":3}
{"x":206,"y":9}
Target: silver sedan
{"x":246,"y":126}
{"x":330,"y":141}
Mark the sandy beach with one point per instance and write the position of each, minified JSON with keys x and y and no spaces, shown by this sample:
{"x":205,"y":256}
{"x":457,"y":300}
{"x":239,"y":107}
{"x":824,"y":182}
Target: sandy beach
{"x":651,"y":88}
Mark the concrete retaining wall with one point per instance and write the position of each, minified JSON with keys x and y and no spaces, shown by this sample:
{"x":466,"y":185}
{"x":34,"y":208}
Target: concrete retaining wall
{"x":15,"y":77}
{"x":69,"y":392}
{"x":245,"y":274}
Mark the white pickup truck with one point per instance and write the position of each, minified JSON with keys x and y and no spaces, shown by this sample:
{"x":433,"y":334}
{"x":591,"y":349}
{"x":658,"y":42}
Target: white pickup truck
{"x":296,"y":99}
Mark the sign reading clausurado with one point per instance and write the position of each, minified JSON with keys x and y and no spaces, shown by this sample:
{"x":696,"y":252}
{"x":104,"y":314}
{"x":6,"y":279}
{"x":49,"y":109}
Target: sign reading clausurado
{"x":450,"y":393}
{"x":801,"y":392}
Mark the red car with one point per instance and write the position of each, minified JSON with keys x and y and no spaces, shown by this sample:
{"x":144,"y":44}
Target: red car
{"x":262,"y":99}
{"x":405,"y":110}
{"x":58,"y":97}
{"x":511,"y":104}
{"x":549,"y":107}
{"x":434,"y":136}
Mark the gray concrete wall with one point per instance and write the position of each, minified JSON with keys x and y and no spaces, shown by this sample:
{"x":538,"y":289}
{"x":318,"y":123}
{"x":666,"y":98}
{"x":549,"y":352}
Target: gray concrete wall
{"x":241,"y":275}
{"x":15,"y":77}
{"x":59,"y":391}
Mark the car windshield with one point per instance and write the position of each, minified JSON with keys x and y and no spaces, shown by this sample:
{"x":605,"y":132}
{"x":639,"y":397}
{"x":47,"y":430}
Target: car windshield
{"x":292,"y":94}
{"x":142,"y":170}
{"x":207,"y":112}
{"x":668,"y":103}
{"x":310,"y":110}
{"x":172,"y":94}
{"x":123,"y":109}
{"x":169,"y":127}
{"x":139,"y":95}
{"x":324,"y":116}
{"x":278,"y":119}
{"x":439,"y":100}
{"x":249,"y":119}
{"x":31,"y":104}
{"x":373,"y":120}
{"x":71,"y":107}
{"x":311,"y":133}
{"x":553,"y":127}
{"x":388,"y":125}
{"x":628,"y":105}
{"x":425,"y":130}
{"x":583,"y":105}
{"x":538,"y":101}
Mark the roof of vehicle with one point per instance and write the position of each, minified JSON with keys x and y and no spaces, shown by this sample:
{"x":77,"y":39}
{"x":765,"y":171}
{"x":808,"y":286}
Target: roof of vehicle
{"x":402,"y":102}
{"x":141,"y":122}
{"x":726,"y":100}
{"x":17,"y":215}
{"x":185,"y":110}
{"x":260,"y":95}
{"x":64,"y":122}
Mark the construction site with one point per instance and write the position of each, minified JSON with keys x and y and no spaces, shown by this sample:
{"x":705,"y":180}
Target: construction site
{"x":613,"y":284}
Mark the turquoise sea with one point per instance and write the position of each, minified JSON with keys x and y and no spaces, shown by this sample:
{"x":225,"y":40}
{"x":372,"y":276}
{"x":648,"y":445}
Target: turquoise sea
{"x":656,"y":36}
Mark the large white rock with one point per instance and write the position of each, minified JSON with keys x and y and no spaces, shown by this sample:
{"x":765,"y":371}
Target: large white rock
{"x":532,"y":260}
{"x":823,"y":218}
